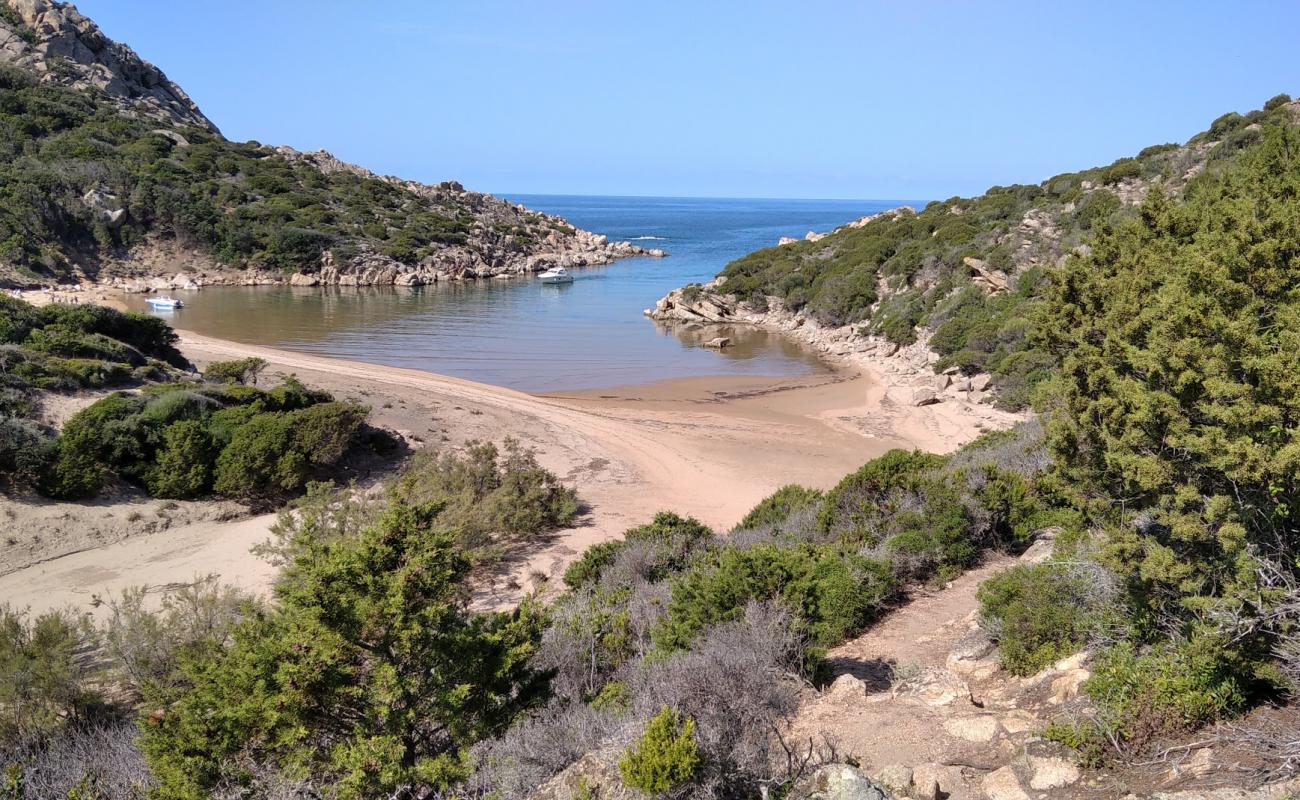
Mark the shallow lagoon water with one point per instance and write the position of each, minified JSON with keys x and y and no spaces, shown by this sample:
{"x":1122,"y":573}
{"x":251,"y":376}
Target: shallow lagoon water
{"x":533,"y":337}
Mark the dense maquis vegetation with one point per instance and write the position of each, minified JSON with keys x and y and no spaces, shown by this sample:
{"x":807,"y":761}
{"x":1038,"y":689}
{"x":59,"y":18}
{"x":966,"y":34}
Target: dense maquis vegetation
{"x":367,"y":676}
{"x":901,"y":273}
{"x":687,"y":638}
{"x":170,"y":435}
{"x":70,"y":160}
{"x":1174,"y":418}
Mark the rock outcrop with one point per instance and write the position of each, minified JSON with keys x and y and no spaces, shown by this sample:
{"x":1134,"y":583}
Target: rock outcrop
{"x":906,"y":373}
{"x":62,"y":46}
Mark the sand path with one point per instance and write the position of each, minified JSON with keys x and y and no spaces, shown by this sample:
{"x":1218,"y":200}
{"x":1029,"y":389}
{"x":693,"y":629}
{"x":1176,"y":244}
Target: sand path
{"x":708,"y":447}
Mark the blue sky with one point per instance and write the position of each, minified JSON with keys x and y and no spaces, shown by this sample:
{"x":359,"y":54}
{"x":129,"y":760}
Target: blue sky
{"x":891,"y":100}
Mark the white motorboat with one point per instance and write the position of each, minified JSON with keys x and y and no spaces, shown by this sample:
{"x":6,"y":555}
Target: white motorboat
{"x":556,"y":275}
{"x":164,"y":302}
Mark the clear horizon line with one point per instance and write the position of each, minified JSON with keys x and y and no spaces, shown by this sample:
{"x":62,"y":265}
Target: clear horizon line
{"x":913,"y":201}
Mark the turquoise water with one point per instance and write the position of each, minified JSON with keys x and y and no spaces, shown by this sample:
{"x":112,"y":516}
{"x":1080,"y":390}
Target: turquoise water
{"x":525,"y":335}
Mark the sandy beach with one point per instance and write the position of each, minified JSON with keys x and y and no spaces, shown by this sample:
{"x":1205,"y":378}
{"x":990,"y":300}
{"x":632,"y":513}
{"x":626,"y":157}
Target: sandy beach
{"x":707,"y":447}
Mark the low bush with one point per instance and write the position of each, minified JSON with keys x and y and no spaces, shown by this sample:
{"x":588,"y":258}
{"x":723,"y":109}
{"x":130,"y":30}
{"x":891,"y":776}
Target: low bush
{"x":832,"y":592}
{"x":183,"y":467}
{"x":181,"y":440}
{"x":47,"y":674}
{"x":92,"y":761}
{"x":1040,"y":613}
{"x":244,"y":371}
{"x":593,"y":561}
{"x":26,"y":450}
{"x":1147,"y":694}
{"x":665,"y":758}
{"x":486,"y":492}
{"x":369,"y":673}
{"x":778,"y":506}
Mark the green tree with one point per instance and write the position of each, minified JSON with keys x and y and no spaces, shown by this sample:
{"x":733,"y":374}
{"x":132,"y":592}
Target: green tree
{"x":370,"y":673}
{"x":665,"y":757}
{"x":184,"y":464}
{"x":1178,"y":396}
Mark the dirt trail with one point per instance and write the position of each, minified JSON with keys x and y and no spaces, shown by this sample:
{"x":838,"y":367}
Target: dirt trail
{"x":917,"y":635}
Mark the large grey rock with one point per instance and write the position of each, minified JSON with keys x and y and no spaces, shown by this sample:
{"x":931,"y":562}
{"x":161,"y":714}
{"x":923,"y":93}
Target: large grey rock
{"x":837,"y":782}
{"x":924,"y":397}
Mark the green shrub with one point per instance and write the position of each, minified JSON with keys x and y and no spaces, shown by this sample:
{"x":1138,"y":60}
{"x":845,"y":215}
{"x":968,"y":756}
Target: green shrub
{"x":778,"y":506}
{"x":325,"y":432}
{"x":665,"y":758}
{"x":675,"y":539}
{"x":1095,"y":208}
{"x":260,"y":461}
{"x":1121,"y":169}
{"x":593,"y":561}
{"x":17,"y":318}
{"x":60,"y":340}
{"x":1146,"y":695}
{"x":44,"y":680}
{"x":857,"y":496}
{"x":1038,"y":614}
{"x":1174,"y":392}
{"x":369,"y":673}
{"x":834,"y":593}
{"x":243,"y":371}
{"x":183,"y":467}
{"x":92,"y":440}
{"x":485,"y":492}
{"x":1084,"y":737}
{"x":26,"y":451}
{"x":1277,"y":102}
{"x":614,"y":696}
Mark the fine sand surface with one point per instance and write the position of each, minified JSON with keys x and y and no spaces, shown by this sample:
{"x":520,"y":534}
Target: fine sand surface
{"x":707,"y":447}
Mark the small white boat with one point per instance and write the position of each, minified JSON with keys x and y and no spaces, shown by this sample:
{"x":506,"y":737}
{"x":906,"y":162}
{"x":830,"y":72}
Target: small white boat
{"x":556,"y":275}
{"x":164,"y":302}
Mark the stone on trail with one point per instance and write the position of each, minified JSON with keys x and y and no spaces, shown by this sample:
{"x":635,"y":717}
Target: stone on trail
{"x":976,"y":728}
{"x":1052,"y":773}
{"x":896,"y":778}
{"x":837,"y":782}
{"x":848,"y":689}
{"x":1003,"y":784}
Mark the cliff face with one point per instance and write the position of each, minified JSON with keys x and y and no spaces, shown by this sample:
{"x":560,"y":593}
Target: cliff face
{"x":117,"y":177}
{"x":65,"y":48}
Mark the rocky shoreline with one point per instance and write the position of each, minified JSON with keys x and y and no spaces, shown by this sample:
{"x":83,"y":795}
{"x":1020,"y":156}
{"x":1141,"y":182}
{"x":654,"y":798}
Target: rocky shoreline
{"x":905,"y":374}
{"x":163,"y":266}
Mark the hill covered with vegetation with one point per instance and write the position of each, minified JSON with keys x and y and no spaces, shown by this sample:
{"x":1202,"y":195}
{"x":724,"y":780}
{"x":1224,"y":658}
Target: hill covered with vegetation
{"x":968,"y":274}
{"x":107,"y":169}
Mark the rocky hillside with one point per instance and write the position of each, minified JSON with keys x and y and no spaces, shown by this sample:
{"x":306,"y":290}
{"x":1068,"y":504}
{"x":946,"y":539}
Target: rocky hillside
{"x":64,"y":48}
{"x":110,"y":173}
{"x":960,"y":277}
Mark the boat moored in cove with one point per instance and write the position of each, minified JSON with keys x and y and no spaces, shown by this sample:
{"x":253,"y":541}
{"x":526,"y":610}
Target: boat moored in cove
{"x":556,"y":275}
{"x":165,"y":302}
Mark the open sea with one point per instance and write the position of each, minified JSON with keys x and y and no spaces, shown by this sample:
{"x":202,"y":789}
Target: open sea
{"x":539,"y":338}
